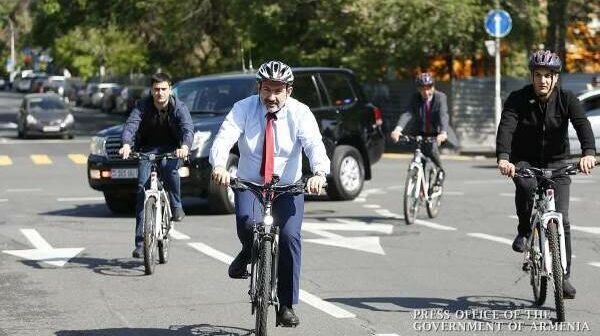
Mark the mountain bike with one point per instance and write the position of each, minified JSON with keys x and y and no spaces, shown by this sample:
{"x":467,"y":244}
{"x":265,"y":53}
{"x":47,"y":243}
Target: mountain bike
{"x":157,"y":214}
{"x":264,"y":259}
{"x":545,"y":256}
{"x":421,"y":186}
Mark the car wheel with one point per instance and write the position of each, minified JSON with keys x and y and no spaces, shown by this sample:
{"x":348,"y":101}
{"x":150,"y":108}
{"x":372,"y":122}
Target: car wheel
{"x":221,"y":199}
{"x":120,"y":203}
{"x":347,"y":175}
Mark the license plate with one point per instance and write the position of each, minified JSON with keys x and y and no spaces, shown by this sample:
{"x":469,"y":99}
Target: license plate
{"x":124,"y":173}
{"x":51,"y":128}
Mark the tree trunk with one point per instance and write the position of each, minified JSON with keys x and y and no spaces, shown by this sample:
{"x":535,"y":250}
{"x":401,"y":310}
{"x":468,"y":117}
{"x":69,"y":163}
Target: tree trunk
{"x":557,"y":28}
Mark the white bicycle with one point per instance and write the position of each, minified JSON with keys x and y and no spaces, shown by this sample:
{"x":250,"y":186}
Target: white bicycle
{"x":421,"y":186}
{"x":545,"y":256}
{"x":157,"y":214}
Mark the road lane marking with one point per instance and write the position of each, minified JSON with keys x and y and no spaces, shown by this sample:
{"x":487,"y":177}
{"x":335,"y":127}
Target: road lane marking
{"x":434,"y":225}
{"x":78,"y":158}
{"x":305,"y":296}
{"x":178,"y":235}
{"x":588,"y":229}
{"x":387,"y":213}
{"x":490,"y":237}
{"x":43,"y":251}
{"x":387,"y":335}
{"x":3,"y":200}
{"x":80,"y":199}
{"x":23,"y":189}
{"x":40,"y":159}
{"x":372,"y":206}
{"x":360,"y":199}
{"x":454,"y":193}
{"x":398,"y":187}
{"x":595,"y":264}
{"x":5,"y":160}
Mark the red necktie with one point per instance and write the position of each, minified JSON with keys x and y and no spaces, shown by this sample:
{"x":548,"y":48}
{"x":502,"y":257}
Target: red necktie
{"x":428,"y":117}
{"x":266,"y":168}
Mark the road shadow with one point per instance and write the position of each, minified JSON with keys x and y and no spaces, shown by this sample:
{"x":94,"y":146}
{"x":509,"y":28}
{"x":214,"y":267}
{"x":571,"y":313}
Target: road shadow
{"x":96,"y":210}
{"x":368,"y":219}
{"x":196,"y":330}
{"x":123,"y":267}
{"x":485,"y":166}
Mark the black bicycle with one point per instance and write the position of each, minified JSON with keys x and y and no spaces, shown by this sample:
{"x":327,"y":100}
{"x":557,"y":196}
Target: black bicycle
{"x":265,"y":249}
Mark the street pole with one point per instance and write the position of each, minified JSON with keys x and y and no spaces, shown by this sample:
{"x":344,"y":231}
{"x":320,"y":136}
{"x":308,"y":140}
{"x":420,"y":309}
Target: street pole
{"x":12,"y":46}
{"x":497,"y":101}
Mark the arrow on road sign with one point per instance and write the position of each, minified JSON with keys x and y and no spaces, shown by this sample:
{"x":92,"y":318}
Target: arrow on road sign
{"x":362,"y":243}
{"x":42,"y":251}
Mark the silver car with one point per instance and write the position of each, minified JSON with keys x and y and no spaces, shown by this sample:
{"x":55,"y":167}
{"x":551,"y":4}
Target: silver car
{"x":44,"y":114}
{"x":590,"y":100}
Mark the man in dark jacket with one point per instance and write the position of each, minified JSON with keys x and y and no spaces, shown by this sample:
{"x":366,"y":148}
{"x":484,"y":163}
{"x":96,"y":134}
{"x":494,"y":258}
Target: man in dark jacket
{"x":427,"y":113}
{"x":533,"y":132}
{"x":160,"y":123}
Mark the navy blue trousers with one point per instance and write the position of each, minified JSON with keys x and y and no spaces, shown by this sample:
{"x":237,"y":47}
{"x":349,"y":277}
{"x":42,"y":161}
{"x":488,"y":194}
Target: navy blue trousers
{"x":288,"y":212}
{"x":169,"y":174}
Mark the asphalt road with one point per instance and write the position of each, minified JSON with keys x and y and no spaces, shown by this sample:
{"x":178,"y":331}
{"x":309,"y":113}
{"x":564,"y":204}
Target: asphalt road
{"x":364,"y":271}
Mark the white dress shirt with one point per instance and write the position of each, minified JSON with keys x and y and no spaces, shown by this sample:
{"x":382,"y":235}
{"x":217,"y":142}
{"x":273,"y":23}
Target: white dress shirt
{"x":295,"y":128}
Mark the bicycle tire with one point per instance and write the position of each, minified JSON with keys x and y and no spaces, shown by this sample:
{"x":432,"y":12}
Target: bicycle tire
{"x":557,"y":270}
{"x":411,"y":200}
{"x":165,"y":243}
{"x":539,"y":281}
{"x":149,"y":236}
{"x":263,"y":288}
{"x":433,"y":205}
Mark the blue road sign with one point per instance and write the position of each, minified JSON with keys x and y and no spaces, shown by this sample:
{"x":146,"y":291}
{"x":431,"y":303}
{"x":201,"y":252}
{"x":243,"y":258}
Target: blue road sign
{"x":498,"y":23}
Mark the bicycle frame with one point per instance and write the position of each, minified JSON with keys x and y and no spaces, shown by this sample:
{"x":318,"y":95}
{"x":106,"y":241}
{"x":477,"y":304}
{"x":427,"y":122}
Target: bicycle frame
{"x":157,"y":191}
{"x":419,"y":162}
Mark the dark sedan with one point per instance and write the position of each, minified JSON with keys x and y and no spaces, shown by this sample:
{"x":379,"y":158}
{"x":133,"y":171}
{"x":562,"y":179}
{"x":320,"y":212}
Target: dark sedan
{"x":44,"y":114}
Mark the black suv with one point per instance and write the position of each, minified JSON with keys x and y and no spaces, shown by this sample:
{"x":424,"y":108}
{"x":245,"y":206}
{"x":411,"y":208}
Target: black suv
{"x":350,"y":125}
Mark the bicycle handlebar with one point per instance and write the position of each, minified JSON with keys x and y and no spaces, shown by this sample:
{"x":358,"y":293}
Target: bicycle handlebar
{"x":418,"y":138}
{"x":547,"y":173}
{"x":153,"y":157}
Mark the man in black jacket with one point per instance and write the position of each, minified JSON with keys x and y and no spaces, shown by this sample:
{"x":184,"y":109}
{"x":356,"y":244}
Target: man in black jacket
{"x":427,"y":115}
{"x":159,"y":123}
{"x":533,"y":132}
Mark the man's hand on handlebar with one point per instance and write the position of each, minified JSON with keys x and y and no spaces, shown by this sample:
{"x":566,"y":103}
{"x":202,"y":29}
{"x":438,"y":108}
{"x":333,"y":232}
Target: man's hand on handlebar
{"x":315,"y":184}
{"x":395,"y":135}
{"x":506,"y":168}
{"x":443,"y":136}
{"x":586,"y":164}
{"x":182,"y":152}
{"x":220,"y":176}
{"x":125,"y":151}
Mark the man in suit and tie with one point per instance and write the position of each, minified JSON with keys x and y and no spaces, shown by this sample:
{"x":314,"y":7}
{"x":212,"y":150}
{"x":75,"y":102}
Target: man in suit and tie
{"x":427,"y":112}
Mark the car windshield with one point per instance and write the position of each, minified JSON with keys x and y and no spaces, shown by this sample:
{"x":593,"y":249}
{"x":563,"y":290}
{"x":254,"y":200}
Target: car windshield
{"x":45,"y":103}
{"x":215,"y":95}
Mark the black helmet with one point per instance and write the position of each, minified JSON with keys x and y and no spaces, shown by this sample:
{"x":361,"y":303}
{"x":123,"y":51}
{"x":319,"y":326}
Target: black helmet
{"x":275,"y":71}
{"x":545,"y":59}
{"x":424,"y":79}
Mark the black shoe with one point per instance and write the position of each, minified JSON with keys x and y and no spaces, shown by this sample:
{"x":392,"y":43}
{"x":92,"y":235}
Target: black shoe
{"x":519,"y":243}
{"x":178,"y":215}
{"x":439,"y":179}
{"x":138,"y":252}
{"x":237,"y":269}
{"x":286,"y":317}
{"x":568,"y":290}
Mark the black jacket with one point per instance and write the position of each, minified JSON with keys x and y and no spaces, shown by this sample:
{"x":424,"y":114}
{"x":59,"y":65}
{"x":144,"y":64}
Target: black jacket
{"x":528,"y":132}
{"x":413,"y":119}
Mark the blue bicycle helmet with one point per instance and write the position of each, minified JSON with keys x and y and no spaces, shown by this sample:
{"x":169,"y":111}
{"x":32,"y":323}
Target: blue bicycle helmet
{"x":424,"y":79}
{"x":545,"y":59}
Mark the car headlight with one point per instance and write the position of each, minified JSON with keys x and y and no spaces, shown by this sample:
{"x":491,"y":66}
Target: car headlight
{"x":31,"y":119}
{"x":98,"y":146}
{"x":200,"y":139}
{"x":68,"y":120}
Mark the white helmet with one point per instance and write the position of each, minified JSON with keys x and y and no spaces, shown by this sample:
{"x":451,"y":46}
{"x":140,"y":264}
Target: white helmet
{"x":275,"y":71}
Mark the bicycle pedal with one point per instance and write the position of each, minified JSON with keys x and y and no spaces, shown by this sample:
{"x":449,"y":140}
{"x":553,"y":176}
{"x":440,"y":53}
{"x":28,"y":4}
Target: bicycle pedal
{"x":526,"y":267}
{"x":240,"y":276}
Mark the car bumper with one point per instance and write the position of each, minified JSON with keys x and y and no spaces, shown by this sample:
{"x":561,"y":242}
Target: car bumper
{"x":100,"y":176}
{"x":46,"y":129}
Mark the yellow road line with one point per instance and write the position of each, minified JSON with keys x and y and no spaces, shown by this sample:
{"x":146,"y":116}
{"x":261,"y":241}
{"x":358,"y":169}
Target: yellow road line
{"x":5,"y":160}
{"x":78,"y":158}
{"x":40,"y":159}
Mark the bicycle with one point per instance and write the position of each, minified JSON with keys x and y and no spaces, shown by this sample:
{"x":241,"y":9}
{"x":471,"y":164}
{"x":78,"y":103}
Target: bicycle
{"x":545,"y":256}
{"x":157,"y":214}
{"x":264,"y":259}
{"x":418,"y":188}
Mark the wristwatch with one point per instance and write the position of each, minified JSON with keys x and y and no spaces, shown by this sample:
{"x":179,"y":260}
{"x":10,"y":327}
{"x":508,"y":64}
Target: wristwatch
{"x":320,"y":173}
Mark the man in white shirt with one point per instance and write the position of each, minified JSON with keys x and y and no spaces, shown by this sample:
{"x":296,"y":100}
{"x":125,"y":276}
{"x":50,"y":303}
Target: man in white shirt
{"x":271,"y":130}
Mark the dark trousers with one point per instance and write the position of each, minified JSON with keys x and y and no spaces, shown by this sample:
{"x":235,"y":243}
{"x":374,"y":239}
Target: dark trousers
{"x":525,"y":187}
{"x":170,"y":176}
{"x":288,"y":212}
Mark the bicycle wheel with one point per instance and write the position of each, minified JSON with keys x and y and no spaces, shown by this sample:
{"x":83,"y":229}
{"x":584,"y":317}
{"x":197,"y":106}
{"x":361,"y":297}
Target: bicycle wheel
{"x":149,"y":236}
{"x":263,"y":287}
{"x":539,"y":281}
{"x":411,"y":197}
{"x":557,"y":270}
{"x":164,"y":244}
{"x":435,"y":192}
